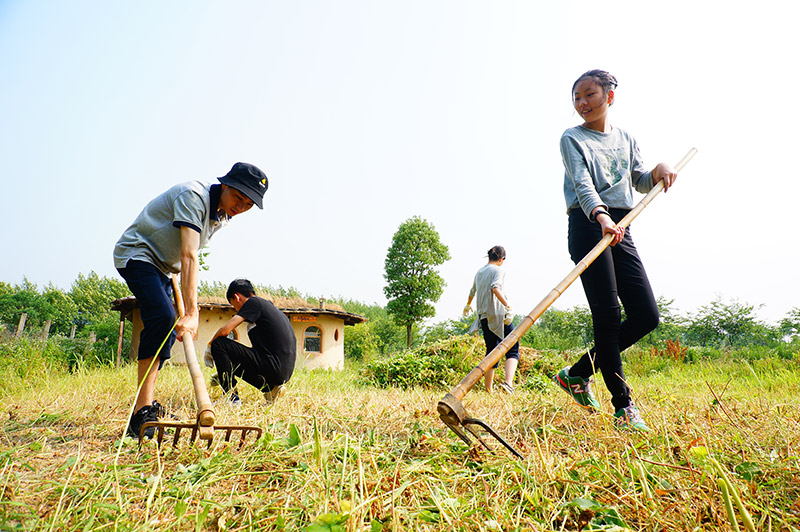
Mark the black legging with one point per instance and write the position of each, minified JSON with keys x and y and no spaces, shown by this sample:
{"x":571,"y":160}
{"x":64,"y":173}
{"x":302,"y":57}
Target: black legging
{"x":617,"y":275}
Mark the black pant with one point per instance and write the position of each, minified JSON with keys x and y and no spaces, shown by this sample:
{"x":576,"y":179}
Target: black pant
{"x":617,"y":275}
{"x":233,"y":360}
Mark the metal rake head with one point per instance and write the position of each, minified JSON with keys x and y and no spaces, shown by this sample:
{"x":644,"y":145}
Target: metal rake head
{"x":454,"y":415}
{"x":205,"y":433}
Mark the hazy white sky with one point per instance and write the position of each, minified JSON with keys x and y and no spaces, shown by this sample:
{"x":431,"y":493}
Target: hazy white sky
{"x":365,"y":113}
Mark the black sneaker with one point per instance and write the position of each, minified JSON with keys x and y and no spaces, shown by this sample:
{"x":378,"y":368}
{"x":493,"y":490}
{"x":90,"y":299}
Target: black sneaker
{"x":142,"y":416}
{"x":161,"y":412}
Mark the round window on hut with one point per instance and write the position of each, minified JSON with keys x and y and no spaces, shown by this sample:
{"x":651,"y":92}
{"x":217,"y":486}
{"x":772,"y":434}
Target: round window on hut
{"x":312,"y":340}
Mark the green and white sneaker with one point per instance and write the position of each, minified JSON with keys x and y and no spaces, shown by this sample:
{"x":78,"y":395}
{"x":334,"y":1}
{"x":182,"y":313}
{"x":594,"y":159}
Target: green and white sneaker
{"x":578,"y":388}
{"x":629,"y":419}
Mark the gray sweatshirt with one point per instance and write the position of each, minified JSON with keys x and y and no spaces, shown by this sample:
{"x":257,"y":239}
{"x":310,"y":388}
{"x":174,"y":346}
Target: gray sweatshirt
{"x":601,"y":169}
{"x":487,"y":305}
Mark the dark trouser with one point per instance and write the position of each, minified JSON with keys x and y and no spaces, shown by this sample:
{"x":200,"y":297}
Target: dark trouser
{"x":617,"y":275}
{"x":493,"y":341}
{"x":153,"y":291}
{"x":233,"y":360}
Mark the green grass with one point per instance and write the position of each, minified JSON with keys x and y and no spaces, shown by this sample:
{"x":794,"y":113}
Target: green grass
{"x":340,"y":454}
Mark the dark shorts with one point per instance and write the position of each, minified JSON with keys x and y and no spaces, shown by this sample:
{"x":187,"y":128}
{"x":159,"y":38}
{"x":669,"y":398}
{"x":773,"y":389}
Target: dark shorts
{"x":493,"y":341}
{"x":153,"y":291}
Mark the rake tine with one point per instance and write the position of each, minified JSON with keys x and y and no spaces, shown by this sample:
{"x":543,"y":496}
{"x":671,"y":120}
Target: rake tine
{"x":477,"y":436}
{"x":460,"y":433}
{"x":198,"y":431}
{"x":176,"y":437}
{"x":490,"y":430}
{"x":160,"y":436}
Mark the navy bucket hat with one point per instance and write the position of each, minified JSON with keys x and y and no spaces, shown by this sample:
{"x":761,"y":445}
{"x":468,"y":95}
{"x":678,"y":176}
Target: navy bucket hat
{"x":247,"y":179}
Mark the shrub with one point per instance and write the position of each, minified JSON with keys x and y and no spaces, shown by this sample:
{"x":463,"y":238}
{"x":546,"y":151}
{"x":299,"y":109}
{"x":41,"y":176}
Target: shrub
{"x":444,"y":363}
{"x":438,"y":365}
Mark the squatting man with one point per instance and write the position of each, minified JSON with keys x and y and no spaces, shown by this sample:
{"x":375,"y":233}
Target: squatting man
{"x":269,"y":363}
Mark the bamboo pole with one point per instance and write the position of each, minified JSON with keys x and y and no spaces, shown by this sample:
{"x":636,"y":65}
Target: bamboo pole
{"x":205,"y":410}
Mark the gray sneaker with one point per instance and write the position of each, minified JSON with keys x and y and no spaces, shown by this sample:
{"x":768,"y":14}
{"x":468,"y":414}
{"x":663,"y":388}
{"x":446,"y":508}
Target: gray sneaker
{"x":629,"y":419}
{"x":506,"y":388}
{"x":275,"y":393}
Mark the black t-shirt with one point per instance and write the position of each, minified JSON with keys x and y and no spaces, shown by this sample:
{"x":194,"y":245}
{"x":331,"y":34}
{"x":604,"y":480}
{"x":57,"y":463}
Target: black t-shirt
{"x":272,"y":335}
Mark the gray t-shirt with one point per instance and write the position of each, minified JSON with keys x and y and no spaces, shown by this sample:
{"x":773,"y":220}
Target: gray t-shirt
{"x":487,"y":305}
{"x":155,"y":235}
{"x":601,"y":169}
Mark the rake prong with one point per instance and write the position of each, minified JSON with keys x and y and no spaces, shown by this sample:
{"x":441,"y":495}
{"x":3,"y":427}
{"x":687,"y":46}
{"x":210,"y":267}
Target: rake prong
{"x":204,"y":433}
{"x":460,"y":433}
{"x":477,"y":436}
{"x":160,"y":437}
{"x":473,"y":421}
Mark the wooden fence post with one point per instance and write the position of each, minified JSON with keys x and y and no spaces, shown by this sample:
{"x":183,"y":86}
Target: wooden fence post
{"x":121,"y":334}
{"x":72,"y":332}
{"x":21,"y":326}
{"x":46,"y":329}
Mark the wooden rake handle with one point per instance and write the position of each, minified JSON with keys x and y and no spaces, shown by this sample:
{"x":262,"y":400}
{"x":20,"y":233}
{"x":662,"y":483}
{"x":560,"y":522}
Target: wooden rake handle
{"x":494,"y":356}
{"x":205,"y":410}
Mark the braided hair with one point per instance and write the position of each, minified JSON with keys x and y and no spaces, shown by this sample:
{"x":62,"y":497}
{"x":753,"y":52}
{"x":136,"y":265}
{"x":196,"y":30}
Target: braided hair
{"x":606,"y":81}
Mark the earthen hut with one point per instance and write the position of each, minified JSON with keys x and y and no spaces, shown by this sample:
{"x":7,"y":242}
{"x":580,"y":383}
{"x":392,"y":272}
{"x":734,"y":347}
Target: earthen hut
{"x":319,"y":330}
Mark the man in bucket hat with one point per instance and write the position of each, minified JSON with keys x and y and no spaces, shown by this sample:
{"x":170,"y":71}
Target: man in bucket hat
{"x":164,"y":239}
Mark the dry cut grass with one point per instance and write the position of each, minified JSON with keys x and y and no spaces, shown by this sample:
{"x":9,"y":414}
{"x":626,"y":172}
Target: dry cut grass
{"x":341,"y":455}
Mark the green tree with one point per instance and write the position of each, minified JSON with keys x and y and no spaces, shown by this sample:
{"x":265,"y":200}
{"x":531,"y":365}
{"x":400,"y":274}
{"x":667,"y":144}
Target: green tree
{"x":380,"y":328}
{"x":447,"y":329}
{"x":790,"y":325}
{"x":62,"y":309}
{"x":413,"y":283}
{"x":561,"y":329}
{"x":93,"y":295}
{"x":23,"y":299}
{"x":671,"y":324}
{"x":722,"y":324}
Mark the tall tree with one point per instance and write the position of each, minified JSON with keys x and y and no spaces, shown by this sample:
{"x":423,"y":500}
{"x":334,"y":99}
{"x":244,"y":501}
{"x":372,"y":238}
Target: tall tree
{"x":413,"y":283}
